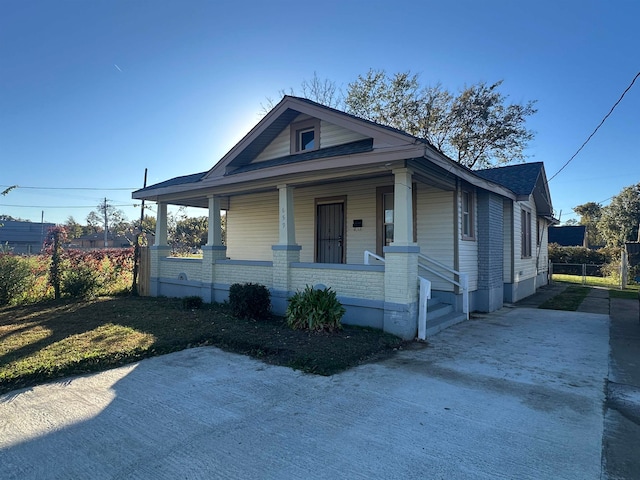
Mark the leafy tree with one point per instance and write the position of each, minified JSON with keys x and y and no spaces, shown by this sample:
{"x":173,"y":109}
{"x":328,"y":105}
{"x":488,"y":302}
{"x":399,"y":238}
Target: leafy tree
{"x":107,"y":217}
{"x":74,"y":229}
{"x":590,"y":213}
{"x":476,"y":127}
{"x":620,"y":220}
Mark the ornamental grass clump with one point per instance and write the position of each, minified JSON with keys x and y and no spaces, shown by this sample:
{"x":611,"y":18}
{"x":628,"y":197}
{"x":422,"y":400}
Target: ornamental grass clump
{"x":315,"y":310}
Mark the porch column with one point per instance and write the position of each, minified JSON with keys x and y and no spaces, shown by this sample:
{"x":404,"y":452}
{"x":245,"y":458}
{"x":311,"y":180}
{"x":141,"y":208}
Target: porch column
{"x":159,"y":250}
{"x":403,"y":207}
{"x":212,"y":251}
{"x":161,"y":225}
{"x":285,"y":252}
{"x":401,"y":263}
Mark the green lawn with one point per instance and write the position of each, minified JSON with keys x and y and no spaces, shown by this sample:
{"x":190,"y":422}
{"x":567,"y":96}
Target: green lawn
{"x":591,"y":281}
{"x":45,"y":341}
{"x":569,"y":300}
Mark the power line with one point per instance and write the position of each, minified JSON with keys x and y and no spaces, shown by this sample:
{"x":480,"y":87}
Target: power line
{"x":73,"y":188}
{"x":67,"y":206}
{"x":598,"y":127}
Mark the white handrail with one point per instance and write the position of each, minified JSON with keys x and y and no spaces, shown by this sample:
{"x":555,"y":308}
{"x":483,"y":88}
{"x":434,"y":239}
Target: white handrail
{"x":368,"y":254}
{"x":463,"y":283}
{"x":425,"y":295}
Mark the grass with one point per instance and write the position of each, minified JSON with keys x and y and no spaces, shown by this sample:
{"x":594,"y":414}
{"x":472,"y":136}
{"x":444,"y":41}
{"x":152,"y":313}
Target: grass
{"x":568,"y":300}
{"x":42,"y":342}
{"x":591,"y":281}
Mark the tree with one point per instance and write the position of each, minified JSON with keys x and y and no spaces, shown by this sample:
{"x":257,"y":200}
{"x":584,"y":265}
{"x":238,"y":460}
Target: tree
{"x":620,"y":220}
{"x":319,"y":90}
{"x":106,"y":218}
{"x":590,"y":213}
{"x":190,"y":233}
{"x":74,"y":229}
{"x":476,"y":127}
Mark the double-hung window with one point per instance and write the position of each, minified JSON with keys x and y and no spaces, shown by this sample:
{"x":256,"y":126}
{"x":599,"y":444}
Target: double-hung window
{"x":467,"y":215}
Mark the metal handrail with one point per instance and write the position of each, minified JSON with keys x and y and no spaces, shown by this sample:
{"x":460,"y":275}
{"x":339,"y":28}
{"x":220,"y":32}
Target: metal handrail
{"x":368,"y":254}
{"x":463,"y":283}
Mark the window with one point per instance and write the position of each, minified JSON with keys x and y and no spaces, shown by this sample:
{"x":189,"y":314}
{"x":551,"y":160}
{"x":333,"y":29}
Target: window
{"x":305,"y":136}
{"x":525,"y":233}
{"x":385,"y":213}
{"x":467,"y":215}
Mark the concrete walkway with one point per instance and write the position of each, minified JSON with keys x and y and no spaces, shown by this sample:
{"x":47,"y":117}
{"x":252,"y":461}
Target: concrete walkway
{"x":515,"y":394}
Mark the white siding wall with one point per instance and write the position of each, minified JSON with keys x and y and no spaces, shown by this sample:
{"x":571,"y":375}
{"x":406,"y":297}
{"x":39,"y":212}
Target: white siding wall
{"x":508,"y":240}
{"x":468,"y":249}
{"x":435,"y":229}
{"x":252,"y":226}
{"x":330,"y":135}
{"x":524,"y":267}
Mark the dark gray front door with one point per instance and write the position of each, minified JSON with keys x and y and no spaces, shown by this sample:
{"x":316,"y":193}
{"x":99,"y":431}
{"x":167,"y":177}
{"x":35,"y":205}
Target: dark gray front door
{"x":330,"y":233}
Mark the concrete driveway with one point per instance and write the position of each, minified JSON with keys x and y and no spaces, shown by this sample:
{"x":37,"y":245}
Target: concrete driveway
{"x":517,"y":394}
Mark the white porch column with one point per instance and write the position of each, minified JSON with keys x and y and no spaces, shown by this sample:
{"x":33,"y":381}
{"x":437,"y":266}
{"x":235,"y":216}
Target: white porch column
{"x":403,"y":207}
{"x":159,"y":250}
{"x":286,"y":218}
{"x":285,"y":252}
{"x":215,"y":227}
{"x":161,"y":225}
{"x":401,"y":263}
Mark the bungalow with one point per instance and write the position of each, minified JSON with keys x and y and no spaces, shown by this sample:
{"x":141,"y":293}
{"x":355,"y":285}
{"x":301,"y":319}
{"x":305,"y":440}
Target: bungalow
{"x":410,"y":240}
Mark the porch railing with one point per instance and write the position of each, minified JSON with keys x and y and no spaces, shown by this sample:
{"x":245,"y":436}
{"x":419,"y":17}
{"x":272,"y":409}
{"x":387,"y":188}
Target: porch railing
{"x":425,"y":295}
{"x":463,"y":282}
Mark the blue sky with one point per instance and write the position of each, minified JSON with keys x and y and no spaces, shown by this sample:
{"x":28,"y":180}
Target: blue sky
{"x":93,"y":92}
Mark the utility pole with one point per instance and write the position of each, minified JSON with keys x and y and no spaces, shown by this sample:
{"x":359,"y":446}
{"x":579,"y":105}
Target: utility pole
{"x":106,"y":223}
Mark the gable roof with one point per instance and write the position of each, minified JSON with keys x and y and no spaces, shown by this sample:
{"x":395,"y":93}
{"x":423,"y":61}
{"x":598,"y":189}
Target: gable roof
{"x":377,"y":146}
{"x":523,"y":179}
{"x":568,"y":235}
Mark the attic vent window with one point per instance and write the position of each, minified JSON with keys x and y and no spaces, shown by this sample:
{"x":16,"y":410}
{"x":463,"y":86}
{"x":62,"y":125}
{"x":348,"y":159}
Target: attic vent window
{"x":305,"y":136}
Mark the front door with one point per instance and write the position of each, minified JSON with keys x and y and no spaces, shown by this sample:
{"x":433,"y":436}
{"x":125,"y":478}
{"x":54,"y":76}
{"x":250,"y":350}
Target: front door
{"x":330,"y":233}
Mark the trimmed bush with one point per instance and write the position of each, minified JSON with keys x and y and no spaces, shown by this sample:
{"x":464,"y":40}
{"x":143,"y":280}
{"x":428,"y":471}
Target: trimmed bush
{"x":15,"y":278}
{"x":250,"y":300}
{"x":315,"y":309}
{"x":192,"y":303}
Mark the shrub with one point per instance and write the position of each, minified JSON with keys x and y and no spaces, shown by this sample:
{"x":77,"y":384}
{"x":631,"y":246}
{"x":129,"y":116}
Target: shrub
{"x":192,"y":303}
{"x":15,"y":278}
{"x":250,"y":300}
{"x":80,"y":282}
{"x":315,"y":309}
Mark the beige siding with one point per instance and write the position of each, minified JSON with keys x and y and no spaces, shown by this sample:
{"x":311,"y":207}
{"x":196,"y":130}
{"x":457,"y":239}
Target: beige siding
{"x":330,"y":135}
{"x":434,"y":219}
{"x":252,"y":226}
{"x":468,"y":249}
{"x":524,"y":267}
{"x":360,"y":204}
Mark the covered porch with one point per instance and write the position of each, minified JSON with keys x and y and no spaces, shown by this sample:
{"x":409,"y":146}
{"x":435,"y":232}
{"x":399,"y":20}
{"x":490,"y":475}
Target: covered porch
{"x":359,"y":232}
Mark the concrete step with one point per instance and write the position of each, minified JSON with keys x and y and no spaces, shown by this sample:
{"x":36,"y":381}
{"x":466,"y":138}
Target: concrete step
{"x":436,"y":309}
{"x":437,"y":324}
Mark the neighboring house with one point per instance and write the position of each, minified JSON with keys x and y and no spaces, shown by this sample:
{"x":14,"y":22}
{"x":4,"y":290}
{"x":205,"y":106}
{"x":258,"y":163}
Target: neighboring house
{"x":569,"y":236}
{"x":24,"y":238}
{"x":96,"y":240}
{"x":315,"y":196}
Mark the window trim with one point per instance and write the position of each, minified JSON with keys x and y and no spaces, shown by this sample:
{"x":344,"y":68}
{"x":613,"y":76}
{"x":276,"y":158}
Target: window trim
{"x":525,"y":233}
{"x":380,"y":191}
{"x":303,"y":126}
{"x":471,"y":236}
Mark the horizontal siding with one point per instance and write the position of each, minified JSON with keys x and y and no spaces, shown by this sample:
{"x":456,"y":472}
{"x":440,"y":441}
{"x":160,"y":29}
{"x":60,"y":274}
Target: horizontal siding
{"x":330,"y":135}
{"x":508,"y":241}
{"x":524,"y":267}
{"x":434,"y":225}
{"x":361,"y":205}
{"x":252,"y":226}
{"x":468,"y":249}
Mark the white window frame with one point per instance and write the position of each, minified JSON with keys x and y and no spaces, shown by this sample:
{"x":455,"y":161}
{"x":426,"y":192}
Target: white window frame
{"x":467,"y":216}
{"x":298,"y":128}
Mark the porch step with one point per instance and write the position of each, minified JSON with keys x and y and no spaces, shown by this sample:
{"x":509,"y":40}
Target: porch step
{"x":436,"y":325}
{"x":436,"y":309}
